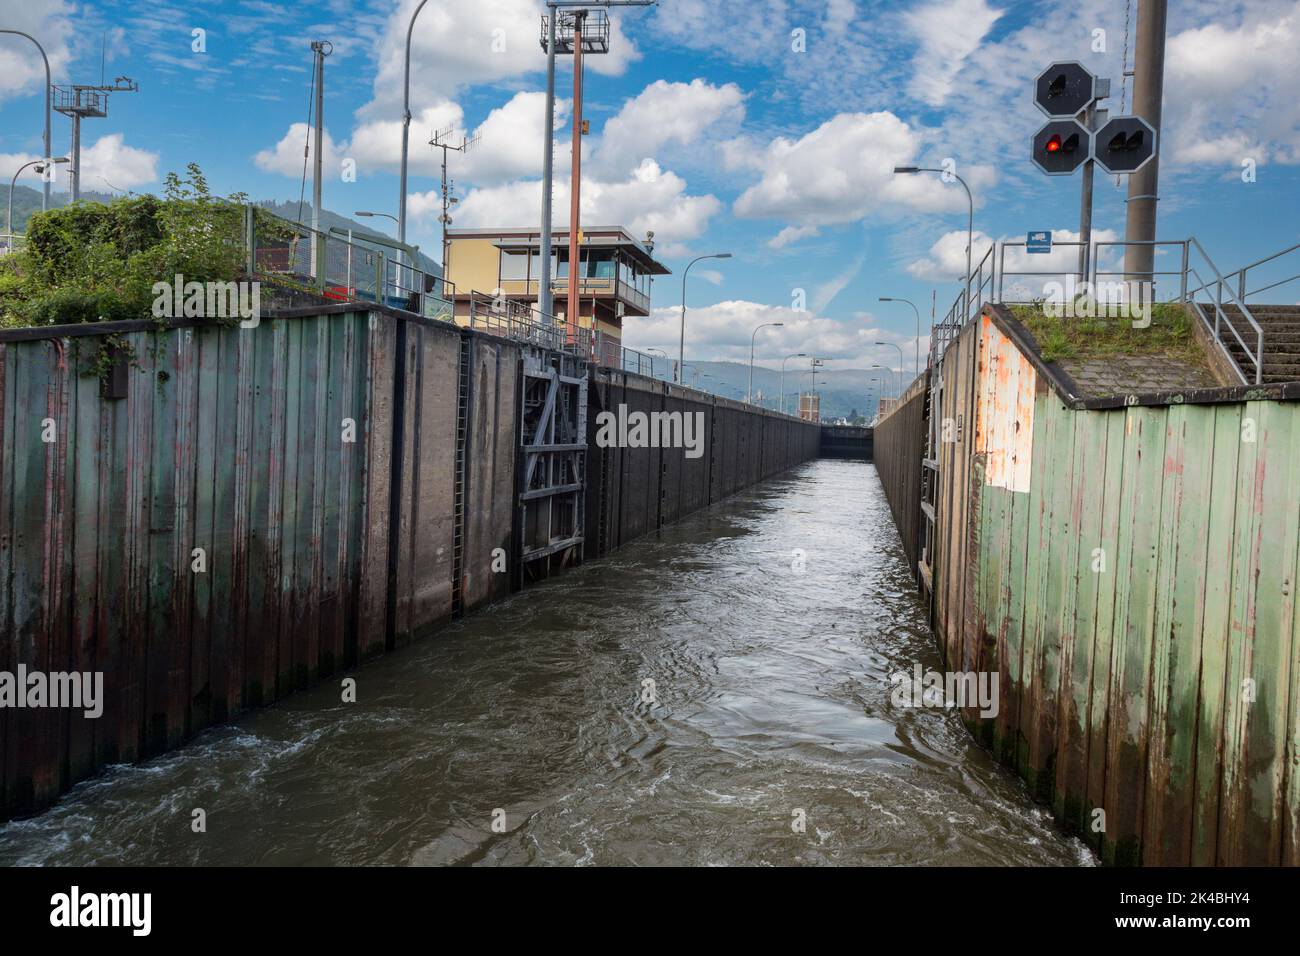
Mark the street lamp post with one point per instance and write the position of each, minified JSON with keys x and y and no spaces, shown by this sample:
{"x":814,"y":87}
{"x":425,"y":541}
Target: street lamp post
{"x":368,"y":215}
{"x":40,"y":165}
{"x":885,"y":298}
{"x":900,"y":365}
{"x":970,"y":224}
{"x":649,"y":352}
{"x":749,"y":395}
{"x":45,"y":196}
{"x":783,"y":361}
{"x":681,"y":345}
{"x":892,"y":381}
{"x":406,"y":126}
{"x":877,"y":387}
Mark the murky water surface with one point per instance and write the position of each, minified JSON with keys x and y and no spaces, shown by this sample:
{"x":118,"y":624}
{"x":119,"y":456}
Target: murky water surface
{"x":771,"y":695}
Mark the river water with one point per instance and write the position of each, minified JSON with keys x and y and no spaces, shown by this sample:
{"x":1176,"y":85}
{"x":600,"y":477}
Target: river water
{"x":690,"y":699}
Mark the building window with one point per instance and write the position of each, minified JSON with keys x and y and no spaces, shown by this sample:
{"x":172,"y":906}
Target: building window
{"x":514,"y":264}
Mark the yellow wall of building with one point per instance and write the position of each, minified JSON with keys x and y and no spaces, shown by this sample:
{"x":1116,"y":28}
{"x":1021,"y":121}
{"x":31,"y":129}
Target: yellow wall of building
{"x":473,"y":265}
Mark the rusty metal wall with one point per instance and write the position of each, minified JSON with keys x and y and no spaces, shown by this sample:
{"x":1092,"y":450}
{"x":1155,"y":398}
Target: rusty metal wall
{"x":633,"y":491}
{"x":312,"y":459}
{"x":232,"y":441}
{"x":308,"y":457}
{"x":1135,"y":592}
{"x":898,"y":445}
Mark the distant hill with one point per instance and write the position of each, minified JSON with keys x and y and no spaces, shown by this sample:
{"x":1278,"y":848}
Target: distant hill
{"x":842,"y":391}
{"x":28,"y":201}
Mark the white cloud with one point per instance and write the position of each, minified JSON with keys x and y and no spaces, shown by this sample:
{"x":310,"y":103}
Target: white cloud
{"x":842,"y":172}
{"x":682,"y":114}
{"x":22,"y":73}
{"x":946,"y":261}
{"x":459,"y":43}
{"x":791,"y":234}
{"x":1231,"y":90}
{"x":513,"y":137}
{"x":722,"y":331}
{"x":948,"y":31}
{"x":509,"y":146}
{"x":10,"y":164}
{"x":839,"y":14}
{"x":286,"y":157}
{"x":377,"y":145}
{"x":650,"y":199}
{"x":125,"y":167}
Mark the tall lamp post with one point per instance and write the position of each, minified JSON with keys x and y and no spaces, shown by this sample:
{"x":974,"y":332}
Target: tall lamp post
{"x":406,"y":126}
{"x":970,"y":224}
{"x":885,"y":298}
{"x":649,"y":352}
{"x":40,"y":165}
{"x":900,"y":364}
{"x":681,"y":345}
{"x":45,"y":196}
{"x":783,"y":361}
{"x":890,"y":383}
{"x":369,"y":215}
{"x":749,"y":395}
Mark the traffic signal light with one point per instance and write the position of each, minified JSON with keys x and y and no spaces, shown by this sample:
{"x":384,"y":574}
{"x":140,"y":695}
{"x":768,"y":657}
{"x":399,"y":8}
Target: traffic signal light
{"x":1063,"y":89}
{"x":1061,"y":147}
{"x":1125,"y":144}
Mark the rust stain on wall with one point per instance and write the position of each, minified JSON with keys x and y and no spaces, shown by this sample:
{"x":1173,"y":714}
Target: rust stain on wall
{"x":1005,"y":432}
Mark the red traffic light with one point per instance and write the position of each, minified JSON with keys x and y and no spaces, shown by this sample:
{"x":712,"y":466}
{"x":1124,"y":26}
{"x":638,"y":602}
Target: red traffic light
{"x":1060,"y":147}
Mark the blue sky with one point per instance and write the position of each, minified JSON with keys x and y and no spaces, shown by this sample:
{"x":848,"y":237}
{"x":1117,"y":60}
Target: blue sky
{"x":710,"y":124}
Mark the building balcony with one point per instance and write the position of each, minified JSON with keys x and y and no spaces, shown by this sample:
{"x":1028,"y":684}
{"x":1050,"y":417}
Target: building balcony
{"x":601,"y":287}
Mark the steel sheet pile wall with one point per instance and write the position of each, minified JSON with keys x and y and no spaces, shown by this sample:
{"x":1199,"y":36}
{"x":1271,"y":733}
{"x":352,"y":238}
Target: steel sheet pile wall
{"x":898,"y":446}
{"x":1130,"y":574}
{"x":423,"y":570}
{"x":636,"y":490}
{"x":321,"y":502}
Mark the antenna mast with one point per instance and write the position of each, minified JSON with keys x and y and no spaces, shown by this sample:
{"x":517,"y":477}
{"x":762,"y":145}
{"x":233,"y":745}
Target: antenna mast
{"x":443,"y":140}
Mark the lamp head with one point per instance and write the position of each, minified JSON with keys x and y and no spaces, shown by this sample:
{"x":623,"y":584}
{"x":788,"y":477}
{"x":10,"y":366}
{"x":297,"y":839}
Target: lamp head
{"x":907,"y":169}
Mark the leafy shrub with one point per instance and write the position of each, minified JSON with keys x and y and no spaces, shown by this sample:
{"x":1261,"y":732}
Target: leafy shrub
{"x":90,"y":261}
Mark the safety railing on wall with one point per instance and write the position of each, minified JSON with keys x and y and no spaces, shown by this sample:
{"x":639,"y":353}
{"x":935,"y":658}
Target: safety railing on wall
{"x":613,"y":354}
{"x":516,"y":320}
{"x":342,"y":265}
{"x":1218,"y":301}
{"x":1263,"y":274}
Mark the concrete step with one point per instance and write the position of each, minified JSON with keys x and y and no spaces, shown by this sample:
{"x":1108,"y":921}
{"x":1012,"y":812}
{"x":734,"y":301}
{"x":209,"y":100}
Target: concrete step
{"x":1281,"y":327}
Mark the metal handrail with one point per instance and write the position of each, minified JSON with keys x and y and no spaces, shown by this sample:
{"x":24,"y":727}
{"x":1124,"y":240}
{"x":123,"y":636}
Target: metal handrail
{"x":1241,"y":273}
{"x":972,"y":298}
{"x":1221,"y":317}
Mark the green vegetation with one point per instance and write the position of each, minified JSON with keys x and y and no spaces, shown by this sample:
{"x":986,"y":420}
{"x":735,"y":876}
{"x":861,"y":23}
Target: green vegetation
{"x":1170,"y":334}
{"x":91,"y":262}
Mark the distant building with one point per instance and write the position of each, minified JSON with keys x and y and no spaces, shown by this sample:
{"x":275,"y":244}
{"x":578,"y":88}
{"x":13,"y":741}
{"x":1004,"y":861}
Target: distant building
{"x":614,"y":279}
{"x":810,"y":406}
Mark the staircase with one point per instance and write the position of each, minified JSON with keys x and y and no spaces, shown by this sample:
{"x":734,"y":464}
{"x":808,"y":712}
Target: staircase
{"x":1281,"y":327}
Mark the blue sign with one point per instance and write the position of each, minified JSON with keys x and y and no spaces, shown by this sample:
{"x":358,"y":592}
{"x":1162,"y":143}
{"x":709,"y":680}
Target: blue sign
{"x":1039,"y":243}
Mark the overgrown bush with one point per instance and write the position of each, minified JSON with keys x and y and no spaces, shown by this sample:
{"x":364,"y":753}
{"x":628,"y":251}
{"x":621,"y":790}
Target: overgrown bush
{"x":91,"y":261}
